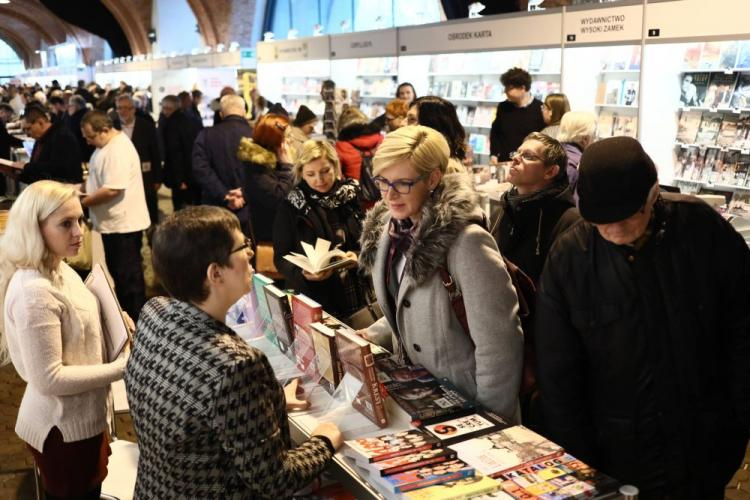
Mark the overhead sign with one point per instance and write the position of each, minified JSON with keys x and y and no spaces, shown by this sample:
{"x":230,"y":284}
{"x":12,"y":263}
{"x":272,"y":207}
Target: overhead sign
{"x":611,"y":24}
{"x":317,"y":47}
{"x":179,"y":62}
{"x":201,"y":60}
{"x":381,"y":43}
{"x":509,"y":31}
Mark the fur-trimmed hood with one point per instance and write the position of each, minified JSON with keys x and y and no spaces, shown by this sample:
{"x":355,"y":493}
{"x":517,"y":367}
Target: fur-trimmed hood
{"x":355,"y":130}
{"x":251,"y":152}
{"x":455,"y":206}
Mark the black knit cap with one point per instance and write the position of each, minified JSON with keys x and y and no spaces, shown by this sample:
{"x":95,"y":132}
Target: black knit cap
{"x":304,"y":116}
{"x":614,"y":178}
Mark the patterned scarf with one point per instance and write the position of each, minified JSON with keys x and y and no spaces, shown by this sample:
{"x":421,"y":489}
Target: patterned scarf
{"x":342,"y":192}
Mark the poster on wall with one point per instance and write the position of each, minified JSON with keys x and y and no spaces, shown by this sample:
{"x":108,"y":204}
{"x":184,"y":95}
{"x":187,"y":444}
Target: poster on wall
{"x":247,"y":81}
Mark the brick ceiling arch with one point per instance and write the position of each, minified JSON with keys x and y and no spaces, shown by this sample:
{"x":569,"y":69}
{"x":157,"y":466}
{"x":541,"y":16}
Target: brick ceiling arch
{"x":18,"y":44}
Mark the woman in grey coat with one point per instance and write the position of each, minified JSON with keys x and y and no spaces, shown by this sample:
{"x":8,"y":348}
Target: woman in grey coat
{"x":428,"y":220}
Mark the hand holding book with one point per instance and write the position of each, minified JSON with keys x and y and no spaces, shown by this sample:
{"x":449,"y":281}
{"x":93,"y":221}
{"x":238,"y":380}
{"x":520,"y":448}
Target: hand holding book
{"x":321,"y":258}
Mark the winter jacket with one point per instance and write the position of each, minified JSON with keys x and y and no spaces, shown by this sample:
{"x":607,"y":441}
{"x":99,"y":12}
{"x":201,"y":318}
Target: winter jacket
{"x":209,"y":412}
{"x":513,"y":123}
{"x":574,"y":153}
{"x":525,"y":234}
{"x":179,"y":134}
{"x":298,"y":218}
{"x":55,"y":156}
{"x":216,"y":167}
{"x":644,"y":355}
{"x":354,"y":140}
{"x":423,"y":324}
{"x":267,"y":183}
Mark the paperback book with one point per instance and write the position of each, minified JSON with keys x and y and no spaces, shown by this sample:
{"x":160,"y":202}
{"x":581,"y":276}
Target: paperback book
{"x":387,"y":446}
{"x":710,"y":162}
{"x":741,"y":96}
{"x":305,"y":312}
{"x":613,"y":93}
{"x":281,"y":316}
{"x":466,"y":427}
{"x":426,"y":399}
{"x":741,"y":171}
{"x":468,"y":487}
{"x":630,"y":93}
{"x":693,"y":89}
{"x":720,"y":89}
{"x":728,"y":130}
{"x":710,"y":55}
{"x":687,"y":126}
{"x":728,"y":173}
{"x":606,"y":124}
{"x":423,"y":477}
{"x":411,"y":461}
{"x":319,"y":258}
{"x":728,"y":57}
{"x":743,"y":56}
{"x":263,"y":317}
{"x":709,"y":128}
{"x":327,"y":355}
{"x":625,"y":125}
{"x":692,"y":56}
{"x":743,"y":129}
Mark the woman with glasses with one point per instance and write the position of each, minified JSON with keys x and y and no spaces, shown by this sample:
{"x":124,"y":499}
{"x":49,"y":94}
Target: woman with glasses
{"x":428,"y":231}
{"x":210,"y":415}
{"x":52,"y":332}
{"x":554,"y":108}
{"x":321,"y":205}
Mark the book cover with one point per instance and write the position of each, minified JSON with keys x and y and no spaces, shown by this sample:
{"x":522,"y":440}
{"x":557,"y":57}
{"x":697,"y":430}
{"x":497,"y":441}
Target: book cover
{"x":281,"y":316}
{"x":692,"y":56}
{"x":680,"y":160}
{"x":635,"y":58}
{"x":625,"y":125}
{"x":327,"y":355}
{"x":426,"y":399}
{"x":743,"y":55}
{"x":720,"y":90}
{"x":391,"y":370}
{"x":387,"y":446}
{"x":305,"y":311}
{"x":263,"y":313}
{"x":718,"y":169}
{"x":357,"y":360}
{"x":687,"y":126}
{"x":613,"y":92}
{"x":728,"y":173}
{"x":693,"y":89}
{"x":466,"y":427}
{"x":698,"y":165}
{"x":116,"y":334}
{"x":606,"y":124}
{"x":728,"y":130}
{"x":728,"y":58}
{"x":630,"y":93}
{"x":740,"y":172}
{"x":468,"y":487}
{"x":411,"y":461}
{"x":709,"y":128}
{"x":402,"y":482}
{"x":743,"y":128}
{"x":740,"y":204}
{"x":710,"y":55}
{"x":500,"y":451}
{"x":741,"y":95}
{"x":710,"y":162}
{"x":693,"y":153}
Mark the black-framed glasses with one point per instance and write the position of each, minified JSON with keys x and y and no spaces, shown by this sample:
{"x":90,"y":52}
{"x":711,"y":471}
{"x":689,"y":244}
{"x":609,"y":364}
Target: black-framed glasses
{"x":247,"y":244}
{"x":401,"y":186}
{"x":524,"y":156}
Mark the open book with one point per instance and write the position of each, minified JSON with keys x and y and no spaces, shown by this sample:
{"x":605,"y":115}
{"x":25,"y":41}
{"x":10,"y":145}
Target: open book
{"x":115,"y":331}
{"x":319,"y":258}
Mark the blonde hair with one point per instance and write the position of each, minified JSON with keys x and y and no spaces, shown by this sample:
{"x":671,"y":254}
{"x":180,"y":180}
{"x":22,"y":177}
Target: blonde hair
{"x":22,"y":244}
{"x":425,"y":148}
{"x":312,"y":150}
{"x":576,"y":127}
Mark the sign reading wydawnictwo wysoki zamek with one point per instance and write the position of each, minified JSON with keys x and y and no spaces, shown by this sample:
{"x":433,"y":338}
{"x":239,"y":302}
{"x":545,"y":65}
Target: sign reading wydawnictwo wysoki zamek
{"x":611,"y":24}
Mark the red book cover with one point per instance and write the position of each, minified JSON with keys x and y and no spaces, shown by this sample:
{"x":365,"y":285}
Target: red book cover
{"x":305,"y":311}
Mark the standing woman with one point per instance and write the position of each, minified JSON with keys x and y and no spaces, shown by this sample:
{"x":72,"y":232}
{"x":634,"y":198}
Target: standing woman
{"x":553,"y":109}
{"x":406,"y":92}
{"x":322,"y":205}
{"x":53,"y":335}
{"x":440,"y":114}
{"x":427,"y":221}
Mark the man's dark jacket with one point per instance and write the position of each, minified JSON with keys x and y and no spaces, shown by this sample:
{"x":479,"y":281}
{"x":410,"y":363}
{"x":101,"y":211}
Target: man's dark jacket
{"x":527,"y":229}
{"x":216,"y":168}
{"x":644,"y":355}
{"x":145,"y":141}
{"x":179,"y":134}
{"x":74,"y":125}
{"x":55,"y":156}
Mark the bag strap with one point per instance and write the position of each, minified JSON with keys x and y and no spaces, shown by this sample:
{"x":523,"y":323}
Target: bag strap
{"x":457,"y":300}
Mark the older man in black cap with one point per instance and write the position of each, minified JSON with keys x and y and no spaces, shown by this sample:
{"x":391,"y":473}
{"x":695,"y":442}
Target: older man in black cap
{"x":643,"y":332}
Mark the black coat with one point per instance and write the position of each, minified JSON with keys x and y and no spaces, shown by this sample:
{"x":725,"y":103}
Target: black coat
{"x":179,"y":133}
{"x":55,"y":156}
{"x":300,"y":219}
{"x":216,"y":168}
{"x":145,"y":141}
{"x":525,"y":234}
{"x":7,"y":142}
{"x":644,"y":355}
{"x":513,"y":123}
{"x":74,"y":125}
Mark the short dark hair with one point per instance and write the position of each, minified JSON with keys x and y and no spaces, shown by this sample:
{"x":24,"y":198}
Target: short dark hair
{"x":440,"y":114}
{"x":554,"y":153}
{"x":55,"y":99}
{"x":99,"y":121}
{"x":171,"y":99}
{"x":197,"y":93}
{"x":406,"y":84}
{"x":34,"y":112}
{"x":184,"y":95}
{"x":516,"y":77}
{"x":186,"y":243}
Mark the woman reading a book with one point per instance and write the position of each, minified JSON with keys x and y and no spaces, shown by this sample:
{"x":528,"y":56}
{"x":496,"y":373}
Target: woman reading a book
{"x":429,"y":230}
{"x":52,"y":332}
{"x":322,"y":205}
{"x":210,"y":415}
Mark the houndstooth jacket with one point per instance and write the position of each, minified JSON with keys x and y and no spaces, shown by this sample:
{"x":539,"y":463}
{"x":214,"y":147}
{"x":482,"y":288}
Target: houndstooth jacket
{"x":209,"y":414}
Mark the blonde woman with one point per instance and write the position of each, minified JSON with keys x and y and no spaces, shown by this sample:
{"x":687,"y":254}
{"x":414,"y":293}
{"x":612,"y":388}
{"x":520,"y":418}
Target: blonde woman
{"x":321,"y":205}
{"x":52,"y":333}
{"x":426,"y":221}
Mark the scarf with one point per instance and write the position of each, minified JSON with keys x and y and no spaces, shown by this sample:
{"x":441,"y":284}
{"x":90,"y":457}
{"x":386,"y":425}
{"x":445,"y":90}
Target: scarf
{"x":342,"y":192}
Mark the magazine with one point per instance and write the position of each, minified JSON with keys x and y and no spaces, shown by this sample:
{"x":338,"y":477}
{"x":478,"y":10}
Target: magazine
{"x":693,"y":89}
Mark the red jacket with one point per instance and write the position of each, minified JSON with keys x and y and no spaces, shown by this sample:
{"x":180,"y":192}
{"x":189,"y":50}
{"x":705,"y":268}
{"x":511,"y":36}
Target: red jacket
{"x":366,"y":137}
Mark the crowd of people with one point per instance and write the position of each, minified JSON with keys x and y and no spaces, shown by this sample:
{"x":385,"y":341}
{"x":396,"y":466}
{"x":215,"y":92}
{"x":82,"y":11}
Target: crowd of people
{"x":639,"y":344}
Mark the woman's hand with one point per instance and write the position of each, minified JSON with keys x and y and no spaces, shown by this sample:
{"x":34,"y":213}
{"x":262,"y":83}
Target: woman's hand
{"x":292,"y":393}
{"x":331,"y":431}
{"x":322,"y":276}
{"x":353,"y":257}
{"x":283,"y":154}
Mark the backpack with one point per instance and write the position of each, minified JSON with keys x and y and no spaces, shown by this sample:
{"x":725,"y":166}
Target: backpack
{"x":369,"y":191}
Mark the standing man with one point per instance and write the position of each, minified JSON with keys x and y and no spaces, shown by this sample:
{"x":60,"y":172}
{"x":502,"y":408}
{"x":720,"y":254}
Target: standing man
{"x":518,"y":116}
{"x":539,"y":206}
{"x":115,"y":197}
{"x":55,"y":155}
{"x":216,"y":168}
{"x":76,"y":109}
{"x":179,"y":135}
{"x":643,"y":332}
{"x":186,"y":104}
{"x":142,"y":133}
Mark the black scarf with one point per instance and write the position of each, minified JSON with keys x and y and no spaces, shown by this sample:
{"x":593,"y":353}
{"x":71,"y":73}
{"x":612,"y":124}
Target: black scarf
{"x":342,"y":192}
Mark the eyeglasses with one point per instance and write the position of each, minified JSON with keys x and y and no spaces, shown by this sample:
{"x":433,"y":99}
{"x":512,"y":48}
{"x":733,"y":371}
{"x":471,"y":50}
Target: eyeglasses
{"x":401,"y":186}
{"x":524,"y":155}
{"x":247,"y":244}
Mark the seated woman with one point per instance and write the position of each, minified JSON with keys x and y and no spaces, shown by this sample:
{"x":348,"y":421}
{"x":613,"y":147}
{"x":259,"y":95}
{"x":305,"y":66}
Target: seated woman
{"x":427,"y":221}
{"x":322,"y":205}
{"x":52,"y":332}
{"x":209,"y":413}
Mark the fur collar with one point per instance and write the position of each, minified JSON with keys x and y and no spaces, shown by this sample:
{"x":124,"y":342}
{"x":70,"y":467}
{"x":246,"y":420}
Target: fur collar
{"x":358,"y":130}
{"x":251,"y":152}
{"x":456,"y":206}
